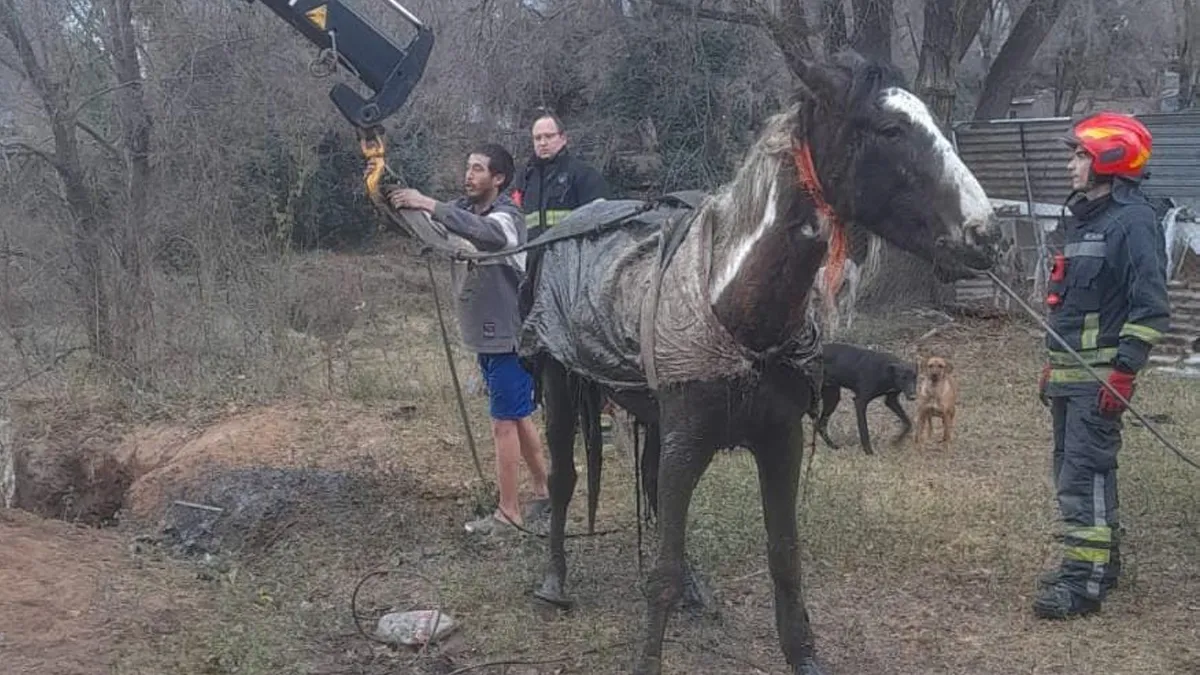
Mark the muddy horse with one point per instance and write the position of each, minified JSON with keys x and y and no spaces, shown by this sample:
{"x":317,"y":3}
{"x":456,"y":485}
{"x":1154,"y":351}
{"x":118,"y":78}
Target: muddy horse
{"x":695,"y":315}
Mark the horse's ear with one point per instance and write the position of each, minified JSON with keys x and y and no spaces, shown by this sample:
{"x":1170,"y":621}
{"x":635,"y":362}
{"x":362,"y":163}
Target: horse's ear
{"x":826,"y":83}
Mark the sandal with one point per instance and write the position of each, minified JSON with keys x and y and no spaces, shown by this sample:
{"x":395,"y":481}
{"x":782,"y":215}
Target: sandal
{"x":488,"y":525}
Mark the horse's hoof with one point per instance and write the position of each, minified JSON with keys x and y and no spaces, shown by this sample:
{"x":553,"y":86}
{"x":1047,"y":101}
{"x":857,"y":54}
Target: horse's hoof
{"x":648,"y":665}
{"x":551,"y":592}
{"x":697,"y":597}
{"x":809,"y":666}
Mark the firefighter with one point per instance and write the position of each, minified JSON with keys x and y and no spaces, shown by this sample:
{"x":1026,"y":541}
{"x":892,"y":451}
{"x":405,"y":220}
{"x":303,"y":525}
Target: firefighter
{"x":554,"y":182}
{"x":1107,"y":298}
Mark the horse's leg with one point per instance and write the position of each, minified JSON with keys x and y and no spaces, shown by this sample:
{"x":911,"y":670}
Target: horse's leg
{"x":697,"y":596}
{"x":779,"y":455}
{"x":651,"y":453}
{"x":893,"y":403}
{"x":590,"y":401}
{"x":560,"y":414}
{"x":684,"y":460}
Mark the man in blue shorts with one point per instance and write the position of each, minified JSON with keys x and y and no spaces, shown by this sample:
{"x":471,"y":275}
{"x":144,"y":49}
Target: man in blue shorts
{"x":489,"y":320}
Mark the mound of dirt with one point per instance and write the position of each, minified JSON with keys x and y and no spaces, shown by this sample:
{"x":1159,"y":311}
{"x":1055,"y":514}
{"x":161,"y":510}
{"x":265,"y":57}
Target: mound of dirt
{"x":66,"y":603}
{"x":253,"y":467}
{"x":171,"y":464}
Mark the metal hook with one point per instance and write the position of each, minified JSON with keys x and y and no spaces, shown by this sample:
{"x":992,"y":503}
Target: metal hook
{"x":325,"y":63}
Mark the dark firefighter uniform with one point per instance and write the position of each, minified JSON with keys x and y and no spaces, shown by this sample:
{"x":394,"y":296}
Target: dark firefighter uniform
{"x":1107,"y":299}
{"x":549,"y":189}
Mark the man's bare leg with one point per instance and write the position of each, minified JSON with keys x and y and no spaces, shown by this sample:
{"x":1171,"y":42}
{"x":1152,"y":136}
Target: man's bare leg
{"x":535,"y":458}
{"x":507,"y":438}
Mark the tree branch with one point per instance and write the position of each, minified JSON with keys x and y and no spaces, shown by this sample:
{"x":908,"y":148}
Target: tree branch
{"x":694,"y":9}
{"x":103,"y":142}
{"x":15,"y":32}
{"x":28,"y":149}
{"x":10,"y":65}
{"x":97,"y":94}
{"x":789,"y":30}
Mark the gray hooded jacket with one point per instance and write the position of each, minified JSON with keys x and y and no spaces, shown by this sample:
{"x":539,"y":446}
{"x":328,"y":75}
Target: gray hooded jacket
{"x":488,"y":315}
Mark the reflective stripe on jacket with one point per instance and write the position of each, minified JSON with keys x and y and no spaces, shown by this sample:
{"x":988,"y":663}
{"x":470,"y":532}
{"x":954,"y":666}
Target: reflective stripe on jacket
{"x":1112,"y":302}
{"x":548,"y":190}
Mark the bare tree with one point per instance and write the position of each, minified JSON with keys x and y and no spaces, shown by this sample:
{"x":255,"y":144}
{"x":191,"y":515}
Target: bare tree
{"x":1187,"y":56}
{"x":950,"y":27}
{"x":136,"y":125}
{"x":873,"y":28}
{"x":53,"y":87}
{"x":833,"y":20}
{"x":936,"y":80}
{"x":786,"y":23}
{"x":1012,"y":63}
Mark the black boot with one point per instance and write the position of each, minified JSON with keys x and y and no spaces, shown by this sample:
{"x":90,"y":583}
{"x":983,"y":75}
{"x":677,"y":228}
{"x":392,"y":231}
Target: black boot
{"x":1060,"y":602}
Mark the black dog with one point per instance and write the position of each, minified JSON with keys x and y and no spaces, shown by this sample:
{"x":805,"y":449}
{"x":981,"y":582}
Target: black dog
{"x":869,"y":374}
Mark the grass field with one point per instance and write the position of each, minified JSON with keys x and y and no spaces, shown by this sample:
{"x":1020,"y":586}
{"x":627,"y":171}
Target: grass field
{"x":914,"y":561}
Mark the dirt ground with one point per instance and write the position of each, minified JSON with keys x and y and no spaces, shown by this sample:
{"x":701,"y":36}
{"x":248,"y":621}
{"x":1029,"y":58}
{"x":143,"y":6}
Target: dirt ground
{"x":74,"y":600}
{"x":915,"y":561}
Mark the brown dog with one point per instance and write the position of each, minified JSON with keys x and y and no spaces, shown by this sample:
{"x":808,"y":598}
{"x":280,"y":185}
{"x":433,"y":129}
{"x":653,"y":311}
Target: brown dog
{"x":937,"y":396}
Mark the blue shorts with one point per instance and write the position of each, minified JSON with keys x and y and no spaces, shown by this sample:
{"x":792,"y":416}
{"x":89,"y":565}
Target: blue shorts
{"x":509,"y":386}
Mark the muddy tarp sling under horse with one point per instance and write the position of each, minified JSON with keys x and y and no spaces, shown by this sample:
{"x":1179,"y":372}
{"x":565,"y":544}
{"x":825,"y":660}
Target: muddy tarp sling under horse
{"x":630,"y":308}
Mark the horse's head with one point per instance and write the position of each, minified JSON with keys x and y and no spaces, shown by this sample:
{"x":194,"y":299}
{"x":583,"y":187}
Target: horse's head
{"x":887,"y":167}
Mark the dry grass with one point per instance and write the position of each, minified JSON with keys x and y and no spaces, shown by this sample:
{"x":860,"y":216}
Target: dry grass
{"x":915,"y":562}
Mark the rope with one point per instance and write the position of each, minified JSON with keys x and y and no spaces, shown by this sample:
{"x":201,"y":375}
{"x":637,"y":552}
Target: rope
{"x":462,"y":405}
{"x":836,"y":256}
{"x":372,"y":638}
{"x":1092,"y":371}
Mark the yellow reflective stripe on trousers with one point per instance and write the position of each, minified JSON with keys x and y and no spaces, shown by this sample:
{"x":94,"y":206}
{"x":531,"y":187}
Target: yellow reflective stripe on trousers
{"x":1103,"y":355}
{"x":1087,"y":554}
{"x":1101,"y":534}
{"x":1143,"y":333}
{"x":1076,"y":375}
{"x":1091,"y":330}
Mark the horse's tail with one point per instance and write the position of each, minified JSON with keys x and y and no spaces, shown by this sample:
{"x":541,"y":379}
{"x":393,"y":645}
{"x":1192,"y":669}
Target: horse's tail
{"x":590,"y":406}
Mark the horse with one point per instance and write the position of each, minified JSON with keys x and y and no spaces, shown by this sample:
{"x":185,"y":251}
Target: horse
{"x":696,"y":315}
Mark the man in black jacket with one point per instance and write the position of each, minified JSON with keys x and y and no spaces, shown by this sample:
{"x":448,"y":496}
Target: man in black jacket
{"x":554,"y":182}
{"x":1107,"y":298}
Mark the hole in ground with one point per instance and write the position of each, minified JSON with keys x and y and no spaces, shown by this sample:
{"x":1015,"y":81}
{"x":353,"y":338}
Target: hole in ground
{"x":57,"y":462}
{"x":89,"y":490}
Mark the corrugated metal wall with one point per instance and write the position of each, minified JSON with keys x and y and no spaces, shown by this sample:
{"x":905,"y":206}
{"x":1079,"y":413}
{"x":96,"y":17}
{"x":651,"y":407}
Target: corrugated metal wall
{"x":1185,"y":319}
{"x":997,"y":152}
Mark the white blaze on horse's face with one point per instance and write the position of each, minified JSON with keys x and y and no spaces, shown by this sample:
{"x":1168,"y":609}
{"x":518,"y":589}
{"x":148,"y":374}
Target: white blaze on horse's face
{"x":737,"y":257}
{"x":974,"y":206}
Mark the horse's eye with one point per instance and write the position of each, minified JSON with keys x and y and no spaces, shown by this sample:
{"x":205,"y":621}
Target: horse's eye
{"x":892,"y":131}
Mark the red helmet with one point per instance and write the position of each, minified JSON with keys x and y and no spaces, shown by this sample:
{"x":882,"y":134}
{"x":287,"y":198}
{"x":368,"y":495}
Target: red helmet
{"x":1119,"y":144}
